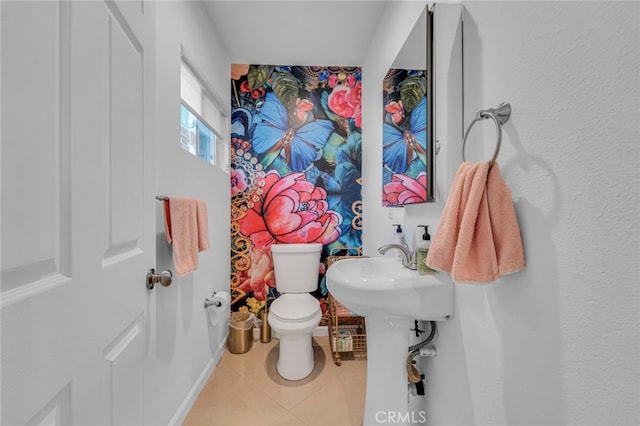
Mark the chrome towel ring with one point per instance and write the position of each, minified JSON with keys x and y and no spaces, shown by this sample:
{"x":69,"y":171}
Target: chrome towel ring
{"x":499,"y":116}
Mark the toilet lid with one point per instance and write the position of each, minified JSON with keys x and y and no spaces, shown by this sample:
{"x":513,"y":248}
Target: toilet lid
{"x":294,"y":307}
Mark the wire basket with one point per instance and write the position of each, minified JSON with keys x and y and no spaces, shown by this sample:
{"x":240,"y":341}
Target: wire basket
{"x":347,"y":331}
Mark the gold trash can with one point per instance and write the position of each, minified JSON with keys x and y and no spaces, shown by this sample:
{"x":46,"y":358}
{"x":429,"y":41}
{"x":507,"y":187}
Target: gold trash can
{"x":240,"y":339}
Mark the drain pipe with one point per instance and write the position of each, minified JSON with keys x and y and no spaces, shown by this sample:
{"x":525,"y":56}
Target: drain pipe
{"x":415,"y":349}
{"x":421,"y":349}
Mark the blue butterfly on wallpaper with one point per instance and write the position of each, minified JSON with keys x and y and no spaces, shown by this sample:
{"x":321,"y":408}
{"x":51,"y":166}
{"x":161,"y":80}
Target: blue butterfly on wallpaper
{"x":400,"y":145}
{"x":300,"y":145}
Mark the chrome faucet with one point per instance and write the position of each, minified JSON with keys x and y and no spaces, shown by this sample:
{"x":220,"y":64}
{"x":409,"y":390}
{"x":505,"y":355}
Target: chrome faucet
{"x":408,"y":258}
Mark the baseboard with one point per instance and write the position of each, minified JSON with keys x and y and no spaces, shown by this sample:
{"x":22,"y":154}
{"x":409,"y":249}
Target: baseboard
{"x":192,"y":395}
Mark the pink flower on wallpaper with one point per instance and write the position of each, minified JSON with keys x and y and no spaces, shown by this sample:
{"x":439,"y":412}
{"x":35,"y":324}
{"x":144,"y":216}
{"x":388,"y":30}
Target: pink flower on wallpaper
{"x":261,"y":275}
{"x":338,"y":102}
{"x":355,"y":96}
{"x":290,"y":210}
{"x":396,"y":110}
{"x":346,"y":102}
{"x":255,"y":94}
{"x":238,"y":182}
{"x":404,"y":189}
{"x":245,"y":87}
{"x":303,"y":106}
{"x":333,"y":80}
{"x":239,"y":143}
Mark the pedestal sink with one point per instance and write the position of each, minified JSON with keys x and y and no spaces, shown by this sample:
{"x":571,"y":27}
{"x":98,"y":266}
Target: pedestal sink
{"x":390,"y":297}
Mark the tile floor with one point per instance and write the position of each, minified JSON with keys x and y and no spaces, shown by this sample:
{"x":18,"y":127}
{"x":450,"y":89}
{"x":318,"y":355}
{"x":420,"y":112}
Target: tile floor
{"x":245,"y":389}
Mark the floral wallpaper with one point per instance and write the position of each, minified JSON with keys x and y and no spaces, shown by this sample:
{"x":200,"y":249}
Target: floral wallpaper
{"x":405,"y":151}
{"x":295,"y":170}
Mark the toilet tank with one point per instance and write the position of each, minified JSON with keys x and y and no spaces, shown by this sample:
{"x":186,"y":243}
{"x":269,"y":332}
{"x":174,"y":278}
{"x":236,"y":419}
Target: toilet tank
{"x":296,"y":266}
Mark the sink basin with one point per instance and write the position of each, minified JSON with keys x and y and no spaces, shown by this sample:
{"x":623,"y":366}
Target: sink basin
{"x":390,"y":297}
{"x":383,"y":288}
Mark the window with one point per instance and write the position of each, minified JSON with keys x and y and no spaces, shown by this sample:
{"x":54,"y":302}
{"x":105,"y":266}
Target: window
{"x":203,"y":128}
{"x":196,"y":137}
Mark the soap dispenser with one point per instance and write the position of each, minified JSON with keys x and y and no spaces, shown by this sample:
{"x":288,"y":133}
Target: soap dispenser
{"x":422,"y":250}
{"x":399,"y":239}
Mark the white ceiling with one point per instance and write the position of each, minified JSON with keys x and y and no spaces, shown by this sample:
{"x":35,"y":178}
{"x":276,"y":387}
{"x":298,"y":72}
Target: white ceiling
{"x":301,"y":32}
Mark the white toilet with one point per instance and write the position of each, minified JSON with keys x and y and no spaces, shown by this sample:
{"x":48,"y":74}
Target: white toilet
{"x":295,"y":313}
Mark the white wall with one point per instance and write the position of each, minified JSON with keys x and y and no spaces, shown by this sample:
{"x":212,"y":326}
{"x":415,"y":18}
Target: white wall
{"x":558,"y":343}
{"x":188,"y":346}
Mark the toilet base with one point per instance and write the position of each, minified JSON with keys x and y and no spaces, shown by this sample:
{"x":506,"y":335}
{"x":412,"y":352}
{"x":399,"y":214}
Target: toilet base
{"x":295,"y":361}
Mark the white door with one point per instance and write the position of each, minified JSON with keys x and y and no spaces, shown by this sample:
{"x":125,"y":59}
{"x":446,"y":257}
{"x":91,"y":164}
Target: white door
{"x":78,"y":332}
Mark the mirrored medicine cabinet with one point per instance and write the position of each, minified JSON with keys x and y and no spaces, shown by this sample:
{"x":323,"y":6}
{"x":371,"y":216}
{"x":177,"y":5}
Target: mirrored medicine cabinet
{"x":422,"y":110}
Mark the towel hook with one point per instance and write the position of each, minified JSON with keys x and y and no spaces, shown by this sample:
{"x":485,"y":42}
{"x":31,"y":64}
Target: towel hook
{"x":500,"y":116}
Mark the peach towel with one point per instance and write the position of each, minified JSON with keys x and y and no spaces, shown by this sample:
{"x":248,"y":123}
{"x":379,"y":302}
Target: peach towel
{"x":203,"y":225}
{"x":478,"y":239}
{"x":186,"y":230}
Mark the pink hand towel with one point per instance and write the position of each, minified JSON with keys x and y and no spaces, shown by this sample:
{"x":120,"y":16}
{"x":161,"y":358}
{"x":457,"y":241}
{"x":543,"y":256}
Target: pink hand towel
{"x":181,"y":230}
{"x":504,"y":224}
{"x":478,"y":238}
{"x":203,"y":225}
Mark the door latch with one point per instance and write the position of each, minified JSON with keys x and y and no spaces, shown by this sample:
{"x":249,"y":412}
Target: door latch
{"x":165,"y":278}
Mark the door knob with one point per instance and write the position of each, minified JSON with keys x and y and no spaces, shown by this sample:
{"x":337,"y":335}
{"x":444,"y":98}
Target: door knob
{"x":165,"y":277}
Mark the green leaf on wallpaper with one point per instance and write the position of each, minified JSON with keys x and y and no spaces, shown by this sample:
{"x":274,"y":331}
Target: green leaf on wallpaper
{"x":329,"y":151}
{"x":412,"y":91}
{"x":416,"y":168}
{"x":423,"y":158}
{"x":258,"y":75}
{"x":269,"y":158}
{"x":285,"y":86}
{"x":281,"y":166}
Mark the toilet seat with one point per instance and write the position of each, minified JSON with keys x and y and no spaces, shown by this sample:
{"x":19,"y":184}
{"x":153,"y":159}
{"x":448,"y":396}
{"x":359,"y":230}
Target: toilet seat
{"x":294,"y":307}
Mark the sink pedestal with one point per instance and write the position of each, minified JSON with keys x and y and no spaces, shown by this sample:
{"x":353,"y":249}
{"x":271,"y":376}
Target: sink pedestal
{"x":386,"y":391}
